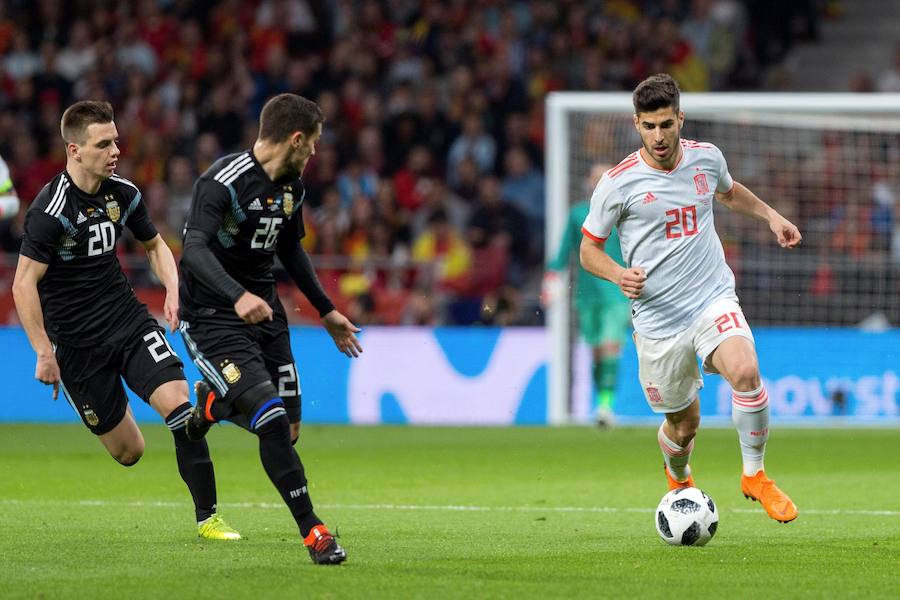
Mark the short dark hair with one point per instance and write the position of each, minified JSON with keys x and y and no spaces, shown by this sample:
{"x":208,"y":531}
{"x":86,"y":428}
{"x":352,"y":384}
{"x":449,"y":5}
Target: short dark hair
{"x":656,"y":92}
{"x":77,"y":117}
{"x":284,"y":114}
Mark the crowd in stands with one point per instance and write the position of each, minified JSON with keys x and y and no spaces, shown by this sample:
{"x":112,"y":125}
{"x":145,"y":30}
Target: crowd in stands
{"x":425,"y":201}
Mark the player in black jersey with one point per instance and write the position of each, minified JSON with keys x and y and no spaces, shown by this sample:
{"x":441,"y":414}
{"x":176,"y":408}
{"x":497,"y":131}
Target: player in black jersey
{"x":82,"y":317}
{"x":246,"y":210}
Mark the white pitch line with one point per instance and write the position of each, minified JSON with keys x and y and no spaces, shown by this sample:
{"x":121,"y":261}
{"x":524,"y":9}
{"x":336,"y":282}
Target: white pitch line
{"x":434,"y":507}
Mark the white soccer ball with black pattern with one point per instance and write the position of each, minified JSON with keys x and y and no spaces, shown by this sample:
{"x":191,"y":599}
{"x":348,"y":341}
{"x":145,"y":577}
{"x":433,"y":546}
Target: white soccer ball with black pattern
{"x":686,"y":517}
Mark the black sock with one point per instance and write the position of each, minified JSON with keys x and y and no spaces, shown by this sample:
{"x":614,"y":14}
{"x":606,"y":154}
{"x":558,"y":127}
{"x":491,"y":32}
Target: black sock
{"x":194,"y":464}
{"x":284,"y":468}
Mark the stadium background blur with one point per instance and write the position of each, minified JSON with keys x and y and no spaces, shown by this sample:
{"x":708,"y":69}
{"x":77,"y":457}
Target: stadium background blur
{"x":425,"y":206}
{"x":432,"y":158}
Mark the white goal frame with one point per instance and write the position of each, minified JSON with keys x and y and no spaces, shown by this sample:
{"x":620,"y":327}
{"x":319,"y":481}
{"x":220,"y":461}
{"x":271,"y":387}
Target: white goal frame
{"x":558,"y":107}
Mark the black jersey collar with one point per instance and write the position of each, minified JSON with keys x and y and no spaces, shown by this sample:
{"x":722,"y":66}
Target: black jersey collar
{"x":83,"y":194}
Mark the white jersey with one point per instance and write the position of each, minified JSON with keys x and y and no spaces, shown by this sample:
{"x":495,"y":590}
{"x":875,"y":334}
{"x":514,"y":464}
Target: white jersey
{"x":9,"y":202}
{"x":5,"y":180}
{"x":665,"y":223}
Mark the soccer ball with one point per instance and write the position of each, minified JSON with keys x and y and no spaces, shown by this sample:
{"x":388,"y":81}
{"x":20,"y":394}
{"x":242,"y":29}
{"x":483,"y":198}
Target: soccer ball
{"x":686,"y":517}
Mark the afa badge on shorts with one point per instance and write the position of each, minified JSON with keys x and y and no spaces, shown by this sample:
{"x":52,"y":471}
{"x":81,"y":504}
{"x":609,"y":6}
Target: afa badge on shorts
{"x":230,"y":372}
{"x":90,"y":416}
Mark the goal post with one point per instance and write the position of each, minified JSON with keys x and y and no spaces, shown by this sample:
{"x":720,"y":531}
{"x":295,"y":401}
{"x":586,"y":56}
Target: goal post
{"x":805,"y":153}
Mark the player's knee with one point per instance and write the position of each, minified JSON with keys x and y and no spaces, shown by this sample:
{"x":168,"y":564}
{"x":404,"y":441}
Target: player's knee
{"x":128,"y":457}
{"x":685,"y":430}
{"x":275,"y":426}
{"x":684,"y":436}
{"x":249,"y":402}
{"x":745,"y":377}
{"x":265,"y":410}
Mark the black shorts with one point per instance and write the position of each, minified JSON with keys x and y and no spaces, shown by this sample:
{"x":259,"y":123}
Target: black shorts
{"x":91,"y":378}
{"x":234,"y":356}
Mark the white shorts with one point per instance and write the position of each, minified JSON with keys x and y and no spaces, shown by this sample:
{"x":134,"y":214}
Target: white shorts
{"x":668,"y":367}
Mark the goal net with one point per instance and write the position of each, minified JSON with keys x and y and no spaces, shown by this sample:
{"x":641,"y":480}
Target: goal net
{"x":828,"y":162}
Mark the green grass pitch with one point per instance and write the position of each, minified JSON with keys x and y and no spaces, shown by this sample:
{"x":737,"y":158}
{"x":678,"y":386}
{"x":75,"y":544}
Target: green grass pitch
{"x":448,"y":513}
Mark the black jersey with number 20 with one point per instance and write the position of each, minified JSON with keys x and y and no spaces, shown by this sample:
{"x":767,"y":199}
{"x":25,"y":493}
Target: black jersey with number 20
{"x":85,"y":296}
{"x":246,"y":214}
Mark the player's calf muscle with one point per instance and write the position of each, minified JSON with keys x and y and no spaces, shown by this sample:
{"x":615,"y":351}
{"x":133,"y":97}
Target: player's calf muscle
{"x":169,"y":396}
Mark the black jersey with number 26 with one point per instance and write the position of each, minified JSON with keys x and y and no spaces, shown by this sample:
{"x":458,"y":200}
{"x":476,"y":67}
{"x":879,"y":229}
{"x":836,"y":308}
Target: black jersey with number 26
{"x":85,"y":296}
{"x":246,"y":214}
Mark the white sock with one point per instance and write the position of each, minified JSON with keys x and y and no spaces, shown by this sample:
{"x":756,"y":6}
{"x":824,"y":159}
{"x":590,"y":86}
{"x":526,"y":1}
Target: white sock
{"x":750,"y":415}
{"x":676,"y":457}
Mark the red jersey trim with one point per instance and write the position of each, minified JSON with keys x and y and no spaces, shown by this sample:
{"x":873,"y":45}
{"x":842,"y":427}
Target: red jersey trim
{"x":593,"y":237}
{"x":622,"y":167}
{"x":624,"y":164}
{"x":628,"y":158}
{"x":695,"y":144}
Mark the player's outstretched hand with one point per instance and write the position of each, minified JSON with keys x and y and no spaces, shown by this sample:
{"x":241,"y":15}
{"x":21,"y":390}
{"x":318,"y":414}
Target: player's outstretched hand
{"x":47,"y":372}
{"x":343,"y":332}
{"x":170,"y":311}
{"x":632,"y":282}
{"x":252,"y":309}
{"x":787,"y":233}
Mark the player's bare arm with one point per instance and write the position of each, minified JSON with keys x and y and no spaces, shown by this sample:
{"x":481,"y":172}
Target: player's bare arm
{"x":28,"y":304}
{"x":163,"y":265}
{"x":343,"y":332}
{"x":745,"y":202}
{"x":597,"y":262}
{"x":300,"y":268}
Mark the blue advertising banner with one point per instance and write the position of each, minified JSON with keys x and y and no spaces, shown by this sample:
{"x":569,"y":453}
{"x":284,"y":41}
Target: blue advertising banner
{"x":323,"y":378}
{"x":486,"y":376}
{"x":811,"y":375}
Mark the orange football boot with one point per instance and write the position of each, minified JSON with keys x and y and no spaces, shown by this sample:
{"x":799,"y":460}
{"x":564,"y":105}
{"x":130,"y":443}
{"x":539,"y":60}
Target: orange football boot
{"x":674,"y":484}
{"x":323,"y":548}
{"x":777,"y":504}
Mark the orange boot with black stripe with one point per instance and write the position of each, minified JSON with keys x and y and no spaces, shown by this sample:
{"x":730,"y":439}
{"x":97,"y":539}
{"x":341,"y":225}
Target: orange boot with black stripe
{"x":201,"y":418}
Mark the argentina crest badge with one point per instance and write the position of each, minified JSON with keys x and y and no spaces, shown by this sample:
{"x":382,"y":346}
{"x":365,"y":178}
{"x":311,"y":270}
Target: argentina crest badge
{"x":112,"y":208}
{"x":90,"y":416}
{"x":230,"y":371}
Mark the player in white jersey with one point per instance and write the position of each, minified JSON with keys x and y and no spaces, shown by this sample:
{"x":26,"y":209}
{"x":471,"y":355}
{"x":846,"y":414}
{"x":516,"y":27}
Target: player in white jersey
{"x":683,"y":299}
{"x":9,"y":200}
